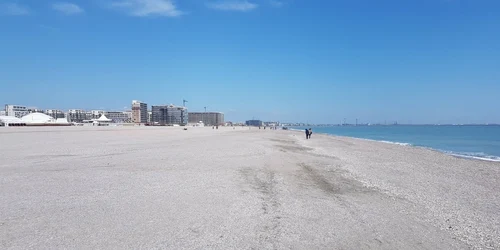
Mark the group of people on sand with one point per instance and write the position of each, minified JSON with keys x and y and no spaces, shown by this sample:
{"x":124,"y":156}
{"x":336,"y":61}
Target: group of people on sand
{"x":308,"y":133}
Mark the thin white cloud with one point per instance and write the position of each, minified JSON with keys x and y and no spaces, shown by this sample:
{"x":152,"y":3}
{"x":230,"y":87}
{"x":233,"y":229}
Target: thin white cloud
{"x":67,"y":8}
{"x":47,"y":27}
{"x":233,"y":6}
{"x":275,"y":3}
{"x":14,"y":9}
{"x":143,"y":8}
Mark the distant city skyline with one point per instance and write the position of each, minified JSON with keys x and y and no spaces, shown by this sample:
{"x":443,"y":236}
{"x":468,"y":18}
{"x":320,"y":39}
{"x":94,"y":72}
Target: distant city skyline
{"x":418,"y":62}
{"x":245,"y":118}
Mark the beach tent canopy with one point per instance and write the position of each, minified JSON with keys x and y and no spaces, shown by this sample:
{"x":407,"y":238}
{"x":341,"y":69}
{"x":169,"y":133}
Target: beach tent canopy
{"x":37,"y":118}
{"x":10,"y":120}
{"x":62,"y":121}
{"x":103,"y":118}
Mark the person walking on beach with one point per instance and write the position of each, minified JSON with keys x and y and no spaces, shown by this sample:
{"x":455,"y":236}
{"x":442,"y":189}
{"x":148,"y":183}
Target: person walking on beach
{"x":307,"y":133}
{"x":310,"y":133}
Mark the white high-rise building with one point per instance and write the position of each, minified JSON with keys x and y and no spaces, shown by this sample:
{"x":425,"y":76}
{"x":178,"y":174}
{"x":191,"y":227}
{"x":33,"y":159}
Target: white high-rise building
{"x":16,"y":110}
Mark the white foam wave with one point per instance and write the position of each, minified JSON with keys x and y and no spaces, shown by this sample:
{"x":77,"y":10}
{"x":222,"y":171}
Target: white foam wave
{"x":388,"y":142}
{"x":397,"y":143}
{"x":475,"y":155}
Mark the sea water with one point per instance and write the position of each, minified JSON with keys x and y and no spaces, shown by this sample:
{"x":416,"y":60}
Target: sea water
{"x":478,"y":142}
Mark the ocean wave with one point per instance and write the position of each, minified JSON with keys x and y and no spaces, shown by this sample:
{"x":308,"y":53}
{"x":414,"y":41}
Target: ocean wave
{"x":388,"y":142}
{"x":475,"y":155}
{"x":397,"y":143}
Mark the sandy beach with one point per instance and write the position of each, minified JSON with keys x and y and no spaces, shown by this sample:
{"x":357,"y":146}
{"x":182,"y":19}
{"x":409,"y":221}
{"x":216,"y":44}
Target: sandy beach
{"x":166,"y":188}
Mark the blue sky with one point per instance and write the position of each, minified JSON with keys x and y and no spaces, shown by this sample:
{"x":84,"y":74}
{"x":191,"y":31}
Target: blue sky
{"x":418,"y":61}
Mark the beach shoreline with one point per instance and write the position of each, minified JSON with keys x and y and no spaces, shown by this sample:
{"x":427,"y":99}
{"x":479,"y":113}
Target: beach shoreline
{"x":491,"y":158}
{"x":163,"y":187}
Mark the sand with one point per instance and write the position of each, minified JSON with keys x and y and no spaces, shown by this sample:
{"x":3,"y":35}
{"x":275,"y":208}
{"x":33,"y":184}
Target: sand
{"x":146,"y":187}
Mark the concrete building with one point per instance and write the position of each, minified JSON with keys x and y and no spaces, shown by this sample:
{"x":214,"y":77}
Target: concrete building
{"x":208,"y":118}
{"x":34,"y":110}
{"x":272,"y":124}
{"x":20,"y":111}
{"x":2,"y":113}
{"x":16,"y":110}
{"x":139,"y":112}
{"x":78,"y":115}
{"x":119,"y":116}
{"x":255,"y":123}
{"x":54,"y":113}
{"x":169,"y":115}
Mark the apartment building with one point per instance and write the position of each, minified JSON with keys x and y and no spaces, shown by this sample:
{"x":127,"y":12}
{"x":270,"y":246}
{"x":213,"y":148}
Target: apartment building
{"x":208,"y":118}
{"x":169,"y":115}
{"x":139,"y":112}
{"x":16,"y":110}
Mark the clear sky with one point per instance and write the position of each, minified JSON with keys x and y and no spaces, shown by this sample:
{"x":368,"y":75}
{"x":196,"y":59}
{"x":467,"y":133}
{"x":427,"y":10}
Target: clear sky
{"x":418,"y":61}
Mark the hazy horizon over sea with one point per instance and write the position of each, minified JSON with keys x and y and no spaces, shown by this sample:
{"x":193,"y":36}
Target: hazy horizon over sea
{"x":469,"y":141}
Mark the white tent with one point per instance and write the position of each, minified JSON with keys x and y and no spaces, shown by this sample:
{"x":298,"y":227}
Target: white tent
{"x":62,"y":121}
{"x":11,"y":121}
{"x":103,"y":118}
{"x":38,"y":118}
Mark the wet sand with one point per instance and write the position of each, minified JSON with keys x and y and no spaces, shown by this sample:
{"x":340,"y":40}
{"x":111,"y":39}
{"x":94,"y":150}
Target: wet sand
{"x":145,"y":187}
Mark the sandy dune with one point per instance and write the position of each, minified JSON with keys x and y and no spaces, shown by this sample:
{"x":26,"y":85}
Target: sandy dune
{"x":145,"y":187}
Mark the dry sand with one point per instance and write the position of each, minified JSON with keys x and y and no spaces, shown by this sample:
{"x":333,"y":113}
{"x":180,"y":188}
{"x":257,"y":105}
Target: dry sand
{"x":144,"y":187}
